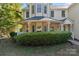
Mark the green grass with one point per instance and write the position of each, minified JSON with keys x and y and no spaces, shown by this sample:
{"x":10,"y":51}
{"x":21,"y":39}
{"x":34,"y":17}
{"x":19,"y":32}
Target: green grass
{"x":7,"y":48}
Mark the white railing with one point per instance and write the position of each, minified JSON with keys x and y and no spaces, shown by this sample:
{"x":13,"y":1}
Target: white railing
{"x":18,"y":33}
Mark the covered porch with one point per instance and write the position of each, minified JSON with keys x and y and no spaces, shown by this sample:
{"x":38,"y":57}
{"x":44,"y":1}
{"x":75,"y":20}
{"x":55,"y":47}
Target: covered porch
{"x":41,"y":26}
{"x":46,"y":25}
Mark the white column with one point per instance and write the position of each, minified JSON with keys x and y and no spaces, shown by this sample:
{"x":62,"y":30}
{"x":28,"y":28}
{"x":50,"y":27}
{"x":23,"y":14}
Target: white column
{"x":30,"y":10}
{"x":25,"y":27}
{"x":48,"y":26}
{"x":29,"y":26}
{"x":62,"y":28}
{"x":35,"y":9}
{"x":24,"y":14}
{"x":42,"y":9}
{"x":48,"y":10}
{"x":72,"y":31}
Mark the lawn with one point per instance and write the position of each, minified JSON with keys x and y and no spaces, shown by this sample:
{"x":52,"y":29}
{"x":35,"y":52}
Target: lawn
{"x":7,"y":48}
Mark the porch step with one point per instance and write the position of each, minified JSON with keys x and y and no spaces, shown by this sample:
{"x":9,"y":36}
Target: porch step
{"x":75,"y":42}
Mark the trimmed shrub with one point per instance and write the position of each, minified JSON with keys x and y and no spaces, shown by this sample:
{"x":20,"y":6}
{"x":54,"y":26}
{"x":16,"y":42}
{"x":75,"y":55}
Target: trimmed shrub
{"x":12,"y":34}
{"x":43,"y":38}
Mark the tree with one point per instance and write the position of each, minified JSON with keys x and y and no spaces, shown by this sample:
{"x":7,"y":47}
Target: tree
{"x":10,"y":15}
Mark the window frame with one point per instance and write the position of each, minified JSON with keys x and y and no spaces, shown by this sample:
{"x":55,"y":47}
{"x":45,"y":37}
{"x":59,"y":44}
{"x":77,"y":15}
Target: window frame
{"x":63,"y":13}
{"x":52,"y":15}
{"x":27,"y":15}
{"x":39,"y":7}
{"x":45,"y":9}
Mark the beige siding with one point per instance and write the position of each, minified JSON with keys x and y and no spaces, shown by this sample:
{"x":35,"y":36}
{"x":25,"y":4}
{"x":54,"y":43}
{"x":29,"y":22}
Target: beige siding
{"x":42,"y":10}
{"x":74,"y":15}
{"x":58,"y":16}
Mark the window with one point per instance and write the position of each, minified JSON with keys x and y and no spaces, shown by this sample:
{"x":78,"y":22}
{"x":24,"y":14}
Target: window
{"x":63,"y":13}
{"x":27,"y":14}
{"x":27,"y":5}
{"x":32,"y":9}
{"x":38,"y":7}
{"x":45,"y":9}
{"x":52,"y":13}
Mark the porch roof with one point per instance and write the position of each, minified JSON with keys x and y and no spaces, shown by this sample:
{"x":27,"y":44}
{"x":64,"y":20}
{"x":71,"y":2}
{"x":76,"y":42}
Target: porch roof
{"x":36,"y":18}
{"x":41,"y":18}
{"x":66,"y":21}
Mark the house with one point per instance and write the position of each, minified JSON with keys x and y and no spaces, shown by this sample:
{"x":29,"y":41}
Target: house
{"x":73,"y":14}
{"x":43,"y":17}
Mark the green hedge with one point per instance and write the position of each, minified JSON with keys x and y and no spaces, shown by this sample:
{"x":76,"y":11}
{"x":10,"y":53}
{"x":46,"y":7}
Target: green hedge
{"x":43,"y":38}
{"x":12,"y":34}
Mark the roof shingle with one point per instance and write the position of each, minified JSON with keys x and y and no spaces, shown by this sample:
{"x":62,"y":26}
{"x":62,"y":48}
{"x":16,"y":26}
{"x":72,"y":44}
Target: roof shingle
{"x":36,"y":18}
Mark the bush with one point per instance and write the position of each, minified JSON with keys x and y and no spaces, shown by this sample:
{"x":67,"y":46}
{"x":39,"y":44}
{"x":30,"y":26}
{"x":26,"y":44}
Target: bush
{"x":43,"y":38}
{"x":12,"y":34}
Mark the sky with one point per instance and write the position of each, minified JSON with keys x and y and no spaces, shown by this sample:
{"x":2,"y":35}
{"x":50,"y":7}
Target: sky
{"x":54,"y":4}
{"x":60,"y":4}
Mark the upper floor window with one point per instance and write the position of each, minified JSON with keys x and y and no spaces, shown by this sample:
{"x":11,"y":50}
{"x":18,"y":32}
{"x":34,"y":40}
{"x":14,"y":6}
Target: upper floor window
{"x":27,"y":5}
{"x":32,"y":9}
{"x":27,"y":14}
{"x":63,"y":13}
{"x":52,"y":13}
{"x":45,"y":9}
{"x":38,"y":7}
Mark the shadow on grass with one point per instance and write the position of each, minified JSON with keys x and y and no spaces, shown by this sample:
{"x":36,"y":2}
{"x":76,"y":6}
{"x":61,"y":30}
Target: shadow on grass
{"x":8,"y":48}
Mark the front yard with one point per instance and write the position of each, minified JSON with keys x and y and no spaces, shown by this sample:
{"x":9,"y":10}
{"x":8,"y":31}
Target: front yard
{"x":7,"y":48}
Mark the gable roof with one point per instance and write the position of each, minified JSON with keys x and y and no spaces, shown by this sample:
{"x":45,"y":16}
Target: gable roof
{"x":66,"y":21}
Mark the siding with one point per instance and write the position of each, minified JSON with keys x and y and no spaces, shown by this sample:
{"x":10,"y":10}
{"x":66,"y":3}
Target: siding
{"x":73,"y":13}
{"x":58,"y":15}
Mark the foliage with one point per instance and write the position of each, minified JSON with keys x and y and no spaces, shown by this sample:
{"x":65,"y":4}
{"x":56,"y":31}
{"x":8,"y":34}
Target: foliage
{"x":10,"y":15}
{"x":43,"y":38}
{"x":13,"y":34}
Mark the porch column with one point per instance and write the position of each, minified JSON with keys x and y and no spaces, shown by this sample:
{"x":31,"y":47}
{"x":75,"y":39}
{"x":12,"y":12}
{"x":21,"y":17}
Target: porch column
{"x":48,"y":26}
{"x":71,"y":30}
{"x":29,"y":26}
{"x":62,"y":29}
{"x":25,"y":27}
